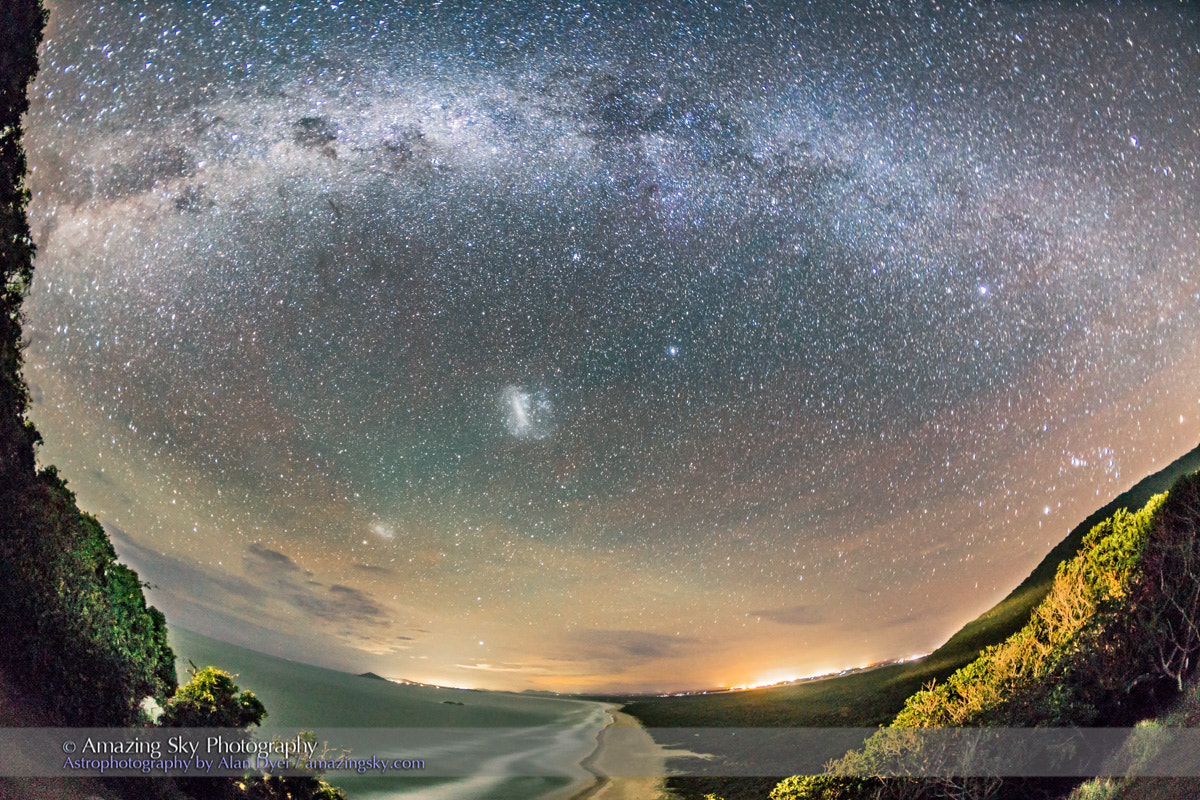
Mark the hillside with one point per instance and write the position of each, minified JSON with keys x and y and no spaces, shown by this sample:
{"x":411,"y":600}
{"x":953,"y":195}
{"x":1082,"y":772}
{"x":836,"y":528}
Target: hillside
{"x":80,"y":647}
{"x":1117,"y":634}
{"x":873,"y":697}
{"x":79,"y":638}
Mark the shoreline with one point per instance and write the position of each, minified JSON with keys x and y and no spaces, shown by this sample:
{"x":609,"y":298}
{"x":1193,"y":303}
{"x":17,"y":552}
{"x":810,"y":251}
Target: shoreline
{"x":613,"y":756}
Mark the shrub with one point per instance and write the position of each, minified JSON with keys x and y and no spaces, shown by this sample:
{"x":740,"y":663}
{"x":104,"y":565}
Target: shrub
{"x":1121,"y":621}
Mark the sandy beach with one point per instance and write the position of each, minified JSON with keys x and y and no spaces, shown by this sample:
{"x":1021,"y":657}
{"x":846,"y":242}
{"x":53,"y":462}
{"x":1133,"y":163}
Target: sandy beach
{"x":628,"y":766}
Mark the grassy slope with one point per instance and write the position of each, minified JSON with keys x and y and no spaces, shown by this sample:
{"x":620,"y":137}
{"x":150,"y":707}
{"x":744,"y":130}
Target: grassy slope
{"x":873,"y":698}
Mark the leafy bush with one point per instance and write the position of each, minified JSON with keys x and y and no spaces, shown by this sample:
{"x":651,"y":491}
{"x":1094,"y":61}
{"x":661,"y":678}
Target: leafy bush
{"x":1120,"y":624}
{"x":211,"y":700}
{"x":78,"y":633}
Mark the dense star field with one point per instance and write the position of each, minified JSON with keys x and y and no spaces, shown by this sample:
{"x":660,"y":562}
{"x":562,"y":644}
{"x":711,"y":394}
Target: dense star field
{"x":597,"y":346}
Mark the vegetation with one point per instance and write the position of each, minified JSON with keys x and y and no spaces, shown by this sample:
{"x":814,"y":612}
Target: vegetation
{"x":79,"y":639}
{"x":1119,"y":629}
{"x":78,"y":633}
{"x":19,"y":39}
{"x":1184,"y":713}
{"x":211,"y":700}
{"x":875,"y":697}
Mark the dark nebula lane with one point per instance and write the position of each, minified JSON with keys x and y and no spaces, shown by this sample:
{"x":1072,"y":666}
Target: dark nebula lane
{"x":591,"y":346}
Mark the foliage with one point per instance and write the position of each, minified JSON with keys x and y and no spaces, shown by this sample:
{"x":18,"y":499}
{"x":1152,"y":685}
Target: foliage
{"x":826,"y":787}
{"x":1146,"y":758}
{"x":211,"y":700}
{"x":78,"y":633}
{"x":19,"y":38}
{"x":1121,"y":620}
{"x":288,"y":787}
{"x":1066,"y":663}
{"x":1167,"y":601}
{"x":1097,"y":789}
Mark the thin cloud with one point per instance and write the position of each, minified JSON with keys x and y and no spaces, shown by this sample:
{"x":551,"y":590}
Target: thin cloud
{"x":258,"y":557}
{"x":618,"y":650}
{"x":793,"y":615}
{"x":372,"y":569}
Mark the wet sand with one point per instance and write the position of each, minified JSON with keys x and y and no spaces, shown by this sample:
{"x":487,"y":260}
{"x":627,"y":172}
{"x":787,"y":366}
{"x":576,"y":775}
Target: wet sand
{"x":636,"y":763}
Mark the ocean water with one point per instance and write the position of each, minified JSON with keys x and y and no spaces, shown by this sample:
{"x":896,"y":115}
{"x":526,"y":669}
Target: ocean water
{"x":476,"y":744}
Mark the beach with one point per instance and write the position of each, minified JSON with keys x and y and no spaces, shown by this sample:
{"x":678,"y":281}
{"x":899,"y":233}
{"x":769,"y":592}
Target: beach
{"x":627,"y":763}
{"x":478,"y":745}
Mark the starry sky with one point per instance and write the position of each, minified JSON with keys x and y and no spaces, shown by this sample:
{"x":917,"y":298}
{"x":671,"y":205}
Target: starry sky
{"x":609,"y":346}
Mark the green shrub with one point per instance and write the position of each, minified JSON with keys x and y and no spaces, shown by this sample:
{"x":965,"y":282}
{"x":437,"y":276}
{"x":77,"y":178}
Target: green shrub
{"x":1121,"y":621}
{"x":211,"y":700}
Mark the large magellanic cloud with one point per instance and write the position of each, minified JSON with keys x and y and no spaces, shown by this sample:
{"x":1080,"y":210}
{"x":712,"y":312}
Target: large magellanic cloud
{"x":512,"y":326}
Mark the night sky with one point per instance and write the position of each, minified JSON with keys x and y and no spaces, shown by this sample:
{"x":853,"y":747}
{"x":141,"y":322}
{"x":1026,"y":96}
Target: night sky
{"x":596,"y":347}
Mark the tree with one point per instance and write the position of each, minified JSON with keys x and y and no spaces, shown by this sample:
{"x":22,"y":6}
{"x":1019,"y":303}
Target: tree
{"x":211,"y":700}
{"x":19,"y":38}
